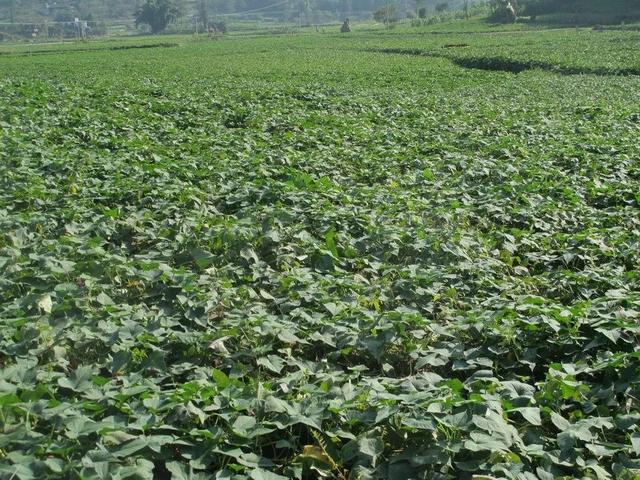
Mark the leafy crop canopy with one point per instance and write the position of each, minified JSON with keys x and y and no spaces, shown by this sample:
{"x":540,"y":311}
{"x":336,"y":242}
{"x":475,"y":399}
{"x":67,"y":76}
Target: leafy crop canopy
{"x":283,"y":257}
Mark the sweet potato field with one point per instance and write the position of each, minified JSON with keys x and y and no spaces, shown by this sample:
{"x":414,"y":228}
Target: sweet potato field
{"x":383,"y":255}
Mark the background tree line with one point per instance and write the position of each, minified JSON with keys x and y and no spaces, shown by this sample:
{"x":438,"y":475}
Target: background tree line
{"x":105,"y":10}
{"x":158,"y":13}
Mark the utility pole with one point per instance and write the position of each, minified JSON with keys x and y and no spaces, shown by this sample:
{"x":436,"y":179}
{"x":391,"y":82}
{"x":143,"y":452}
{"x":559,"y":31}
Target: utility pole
{"x":203,"y":13}
{"x":307,"y":9}
{"x":387,"y":13}
{"x":12,"y":11}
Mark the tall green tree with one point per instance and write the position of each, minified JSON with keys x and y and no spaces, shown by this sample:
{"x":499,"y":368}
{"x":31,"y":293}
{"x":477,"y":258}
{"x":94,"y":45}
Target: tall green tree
{"x":158,"y":14}
{"x":203,"y":13}
{"x":504,"y":11}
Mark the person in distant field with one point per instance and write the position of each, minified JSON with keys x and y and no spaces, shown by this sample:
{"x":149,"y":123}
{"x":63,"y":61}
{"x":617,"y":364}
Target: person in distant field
{"x":82,"y":29}
{"x":346,"y":26}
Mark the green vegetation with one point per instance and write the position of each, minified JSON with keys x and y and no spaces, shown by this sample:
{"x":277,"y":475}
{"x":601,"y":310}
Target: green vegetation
{"x":585,"y":12}
{"x":158,"y":14}
{"x":37,"y":10}
{"x":385,"y":254}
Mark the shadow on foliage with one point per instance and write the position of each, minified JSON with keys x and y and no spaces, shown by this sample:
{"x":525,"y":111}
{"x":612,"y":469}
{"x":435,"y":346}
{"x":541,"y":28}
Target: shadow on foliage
{"x":501,"y":64}
{"x":88,"y":49}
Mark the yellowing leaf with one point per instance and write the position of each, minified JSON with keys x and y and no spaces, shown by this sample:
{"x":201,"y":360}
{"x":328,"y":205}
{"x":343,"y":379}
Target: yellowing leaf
{"x":316,"y":453}
{"x":45,"y":303}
